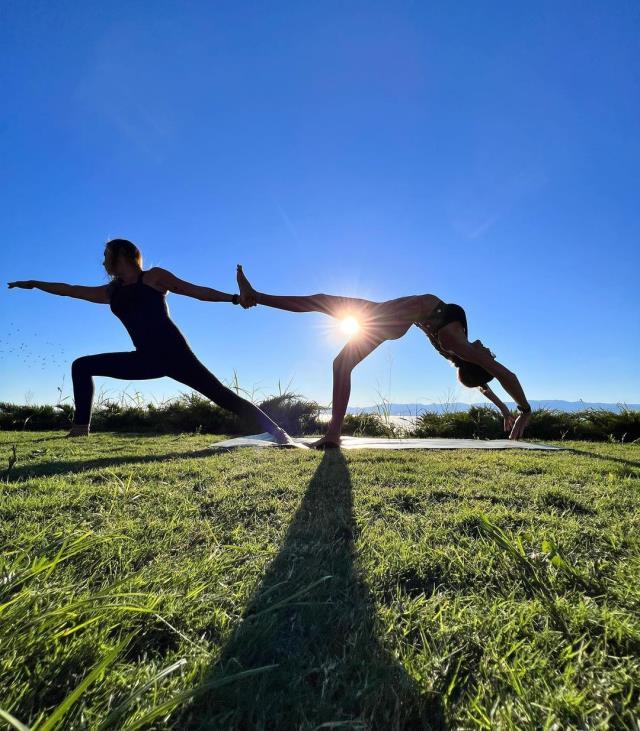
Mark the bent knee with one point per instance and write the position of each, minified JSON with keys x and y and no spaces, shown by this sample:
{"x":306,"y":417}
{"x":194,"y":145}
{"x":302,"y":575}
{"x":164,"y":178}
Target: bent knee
{"x":80,"y":364}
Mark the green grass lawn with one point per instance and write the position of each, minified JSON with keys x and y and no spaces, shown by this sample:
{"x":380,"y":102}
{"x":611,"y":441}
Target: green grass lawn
{"x":149,"y":583}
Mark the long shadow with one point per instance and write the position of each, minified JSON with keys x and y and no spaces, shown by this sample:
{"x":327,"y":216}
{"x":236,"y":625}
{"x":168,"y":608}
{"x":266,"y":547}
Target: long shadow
{"x":57,"y":467}
{"x":47,"y":469}
{"x":312,"y":618}
{"x":595,"y":455}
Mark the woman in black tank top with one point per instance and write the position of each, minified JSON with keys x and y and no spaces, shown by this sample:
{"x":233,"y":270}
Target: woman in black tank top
{"x":138,"y":299}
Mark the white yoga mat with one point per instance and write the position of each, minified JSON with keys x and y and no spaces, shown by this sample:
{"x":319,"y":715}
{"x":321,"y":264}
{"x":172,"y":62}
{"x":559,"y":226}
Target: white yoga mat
{"x":266,"y":440}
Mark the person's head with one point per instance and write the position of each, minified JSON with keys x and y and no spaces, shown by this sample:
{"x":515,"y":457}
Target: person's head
{"x":119,"y":253}
{"x":472,"y":375}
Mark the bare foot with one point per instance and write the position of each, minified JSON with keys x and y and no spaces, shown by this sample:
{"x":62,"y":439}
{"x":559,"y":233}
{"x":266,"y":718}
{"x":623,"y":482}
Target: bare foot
{"x":78,"y":430}
{"x":328,"y":441}
{"x":284,"y":440}
{"x":248,"y":295}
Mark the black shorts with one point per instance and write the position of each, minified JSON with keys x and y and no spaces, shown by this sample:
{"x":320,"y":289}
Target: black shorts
{"x":445,"y":314}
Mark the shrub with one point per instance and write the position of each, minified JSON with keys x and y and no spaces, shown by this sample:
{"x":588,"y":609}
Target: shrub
{"x":187,"y":413}
{"x":483,"y":422}
{"x":370,"y":425}
{"x":193,"y":412}
{"x":293,"y":413}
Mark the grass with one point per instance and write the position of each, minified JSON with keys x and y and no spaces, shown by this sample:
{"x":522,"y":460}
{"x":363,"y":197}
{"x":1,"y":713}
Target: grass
{"x":148,"y":583}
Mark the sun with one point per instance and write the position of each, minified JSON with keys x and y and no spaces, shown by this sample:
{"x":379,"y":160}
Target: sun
{"x":350,"y":326}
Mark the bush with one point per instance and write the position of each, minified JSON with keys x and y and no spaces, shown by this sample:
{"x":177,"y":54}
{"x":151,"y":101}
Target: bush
{"x":187,"y":413}
{"x":293,"y":413}
{"x":13,"y":417}
{"x":193,"y":412}
{"x":480,"y":422}
{"x":484,"y":422}
{"x":370,"y":425}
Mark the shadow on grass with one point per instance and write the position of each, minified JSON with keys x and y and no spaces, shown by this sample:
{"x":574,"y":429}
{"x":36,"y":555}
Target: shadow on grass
{"x":27,"y":471}
{"x":595,"y":455}
{"x":312,"y":619}
{"x":59,"y":467}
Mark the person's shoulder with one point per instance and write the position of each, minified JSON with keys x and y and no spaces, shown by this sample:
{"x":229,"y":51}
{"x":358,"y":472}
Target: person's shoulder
{"x":157,"y":273}
{"x":158,"y":278}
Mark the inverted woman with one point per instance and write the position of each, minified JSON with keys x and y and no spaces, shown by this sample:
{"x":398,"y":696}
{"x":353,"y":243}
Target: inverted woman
{"x":444,"y":324}
{"x":138,"y":299}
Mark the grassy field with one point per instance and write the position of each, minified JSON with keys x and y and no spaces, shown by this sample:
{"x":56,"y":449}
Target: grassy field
{"x":146,"y":582}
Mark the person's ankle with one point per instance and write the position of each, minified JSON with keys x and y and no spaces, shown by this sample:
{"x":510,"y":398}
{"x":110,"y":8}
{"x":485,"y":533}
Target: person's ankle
{"x":333,"y":436}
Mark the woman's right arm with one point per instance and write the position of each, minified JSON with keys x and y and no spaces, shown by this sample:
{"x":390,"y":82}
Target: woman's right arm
{"x":99,"y":294}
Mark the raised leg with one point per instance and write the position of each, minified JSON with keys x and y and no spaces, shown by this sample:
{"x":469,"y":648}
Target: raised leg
{"x":328,"y":304}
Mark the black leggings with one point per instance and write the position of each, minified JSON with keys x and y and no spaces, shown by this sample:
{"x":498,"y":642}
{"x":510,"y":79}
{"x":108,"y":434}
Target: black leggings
{"x":138,"y":365}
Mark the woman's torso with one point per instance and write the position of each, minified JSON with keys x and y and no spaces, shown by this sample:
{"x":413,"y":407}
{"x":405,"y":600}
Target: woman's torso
{"x":394,"y":317}
{"x":143,"y":311}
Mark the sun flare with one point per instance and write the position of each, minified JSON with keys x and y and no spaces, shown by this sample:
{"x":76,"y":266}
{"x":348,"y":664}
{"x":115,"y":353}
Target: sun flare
{"x":349,"y":326}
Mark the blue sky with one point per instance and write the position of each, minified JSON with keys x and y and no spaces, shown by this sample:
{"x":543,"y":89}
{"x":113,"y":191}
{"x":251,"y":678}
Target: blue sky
{"x":485,"y":152}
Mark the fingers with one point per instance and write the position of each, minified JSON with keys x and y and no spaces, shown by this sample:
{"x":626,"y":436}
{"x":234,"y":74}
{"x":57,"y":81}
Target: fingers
{"x":247,"y":300}
{"x":515,"y":429}
{"x":520,"y":425}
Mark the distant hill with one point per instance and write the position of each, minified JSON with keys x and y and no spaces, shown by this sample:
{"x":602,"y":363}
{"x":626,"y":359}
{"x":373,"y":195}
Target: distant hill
{"x":412,"y":409}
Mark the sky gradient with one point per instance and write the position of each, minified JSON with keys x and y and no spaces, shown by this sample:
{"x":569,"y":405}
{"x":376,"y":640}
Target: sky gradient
{"x":484,"y":152}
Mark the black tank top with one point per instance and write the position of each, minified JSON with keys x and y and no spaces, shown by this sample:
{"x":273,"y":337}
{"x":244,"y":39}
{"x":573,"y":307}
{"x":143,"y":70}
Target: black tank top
{"x":144,"y":312}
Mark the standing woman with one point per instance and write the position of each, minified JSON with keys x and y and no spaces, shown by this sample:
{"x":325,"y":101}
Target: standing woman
{"x":137,"y":298}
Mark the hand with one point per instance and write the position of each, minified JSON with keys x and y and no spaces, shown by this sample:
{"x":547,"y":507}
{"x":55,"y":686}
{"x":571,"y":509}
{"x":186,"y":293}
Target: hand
{"x":247,"y":301}
{"x":520,"y":425}
{"x":509,"y":420}
{"x":28,"y":284}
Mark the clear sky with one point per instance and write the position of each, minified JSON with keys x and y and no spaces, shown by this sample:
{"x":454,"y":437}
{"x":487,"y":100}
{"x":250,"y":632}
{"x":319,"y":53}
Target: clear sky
{"x":485,"y":152}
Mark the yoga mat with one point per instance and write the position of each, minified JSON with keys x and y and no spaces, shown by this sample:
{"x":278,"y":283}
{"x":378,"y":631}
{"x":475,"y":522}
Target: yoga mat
{"x":266,"y":440}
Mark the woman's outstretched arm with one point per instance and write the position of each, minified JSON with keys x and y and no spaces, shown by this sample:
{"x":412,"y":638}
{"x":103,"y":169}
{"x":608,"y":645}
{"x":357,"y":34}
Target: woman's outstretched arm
{"x":99,"y":295}
{"x":165,"y":280}
{"x":509,"y":418}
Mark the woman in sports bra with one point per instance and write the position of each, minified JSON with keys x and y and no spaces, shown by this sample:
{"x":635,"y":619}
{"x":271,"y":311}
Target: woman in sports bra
{"x":138,"y":299}
{"x":444,"y":324}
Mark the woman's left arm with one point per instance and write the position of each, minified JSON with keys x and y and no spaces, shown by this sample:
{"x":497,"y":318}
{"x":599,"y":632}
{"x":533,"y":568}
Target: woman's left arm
{"x":507,"y":416}
{"x":454,"y":341}
{"x":164,"y":279}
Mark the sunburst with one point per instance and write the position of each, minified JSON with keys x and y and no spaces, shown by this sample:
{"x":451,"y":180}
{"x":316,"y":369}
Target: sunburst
{"x":350,"y":326}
